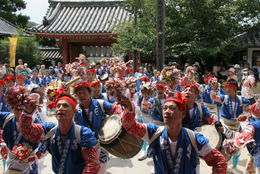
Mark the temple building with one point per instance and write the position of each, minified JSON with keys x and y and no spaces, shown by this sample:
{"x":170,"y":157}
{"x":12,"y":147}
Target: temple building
{"x":6,"y":28}
{"x":82,"y":26}
{"x":251,"y":42}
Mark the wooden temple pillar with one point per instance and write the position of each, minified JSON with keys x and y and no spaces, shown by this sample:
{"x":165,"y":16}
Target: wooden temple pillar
{"x":65,"y":51}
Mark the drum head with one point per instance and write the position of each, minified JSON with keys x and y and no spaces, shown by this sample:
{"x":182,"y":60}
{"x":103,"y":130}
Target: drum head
{"x":110,"y":129}
{"x":210,"y":132}
{"x":11,"y":171}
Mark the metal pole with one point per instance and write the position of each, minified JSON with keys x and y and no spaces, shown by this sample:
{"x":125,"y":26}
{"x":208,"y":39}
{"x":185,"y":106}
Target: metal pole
{"x":160,"y":45}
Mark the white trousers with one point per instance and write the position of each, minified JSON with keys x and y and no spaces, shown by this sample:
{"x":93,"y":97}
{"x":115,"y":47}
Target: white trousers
{"x":257,"y":170}
{"x":103,"y":168}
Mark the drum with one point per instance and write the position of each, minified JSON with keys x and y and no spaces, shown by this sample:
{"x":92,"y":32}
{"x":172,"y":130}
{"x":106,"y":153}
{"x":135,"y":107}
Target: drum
{"x":215,"y":138}
{"x":116,"y":140}
{"x":210,"y":132}
{"x":232,"y":124}
{"x":212,"y":108}
{"x":12,"y":171}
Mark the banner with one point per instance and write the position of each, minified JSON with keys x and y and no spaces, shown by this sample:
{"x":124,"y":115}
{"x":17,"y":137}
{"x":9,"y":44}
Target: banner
{"x":13,"y":43}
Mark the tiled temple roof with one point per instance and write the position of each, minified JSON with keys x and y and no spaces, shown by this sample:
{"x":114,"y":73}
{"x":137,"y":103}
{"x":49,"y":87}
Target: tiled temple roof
{"x":82,"y":17}
{"x":7,"y":28}
{"x":49,"y":53}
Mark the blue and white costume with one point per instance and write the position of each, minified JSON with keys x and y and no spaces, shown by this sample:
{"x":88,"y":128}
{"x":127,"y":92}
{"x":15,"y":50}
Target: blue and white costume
{"x":93,"y":118}
{"x":13,"y":137}
{"x":194,"y":117}
{"x":231,"y":109}
{"x":176,"y":157}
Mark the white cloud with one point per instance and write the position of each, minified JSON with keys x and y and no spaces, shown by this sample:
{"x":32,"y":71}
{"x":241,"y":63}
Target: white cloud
{"x":36,"y":9}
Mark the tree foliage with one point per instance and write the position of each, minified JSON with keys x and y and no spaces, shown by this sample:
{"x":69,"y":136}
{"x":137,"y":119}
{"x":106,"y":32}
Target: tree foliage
{"x":139,"y":35}
{"x":202,"y":30}
{"x":9,"y":9}
{"x":27,"y":49}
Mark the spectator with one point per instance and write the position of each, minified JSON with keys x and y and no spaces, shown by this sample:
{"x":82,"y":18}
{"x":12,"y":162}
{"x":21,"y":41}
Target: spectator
{"x":216,"y":73}
{"x":232,"y":74}
{"x":246,"y":65}
{"x":9,"y":70}
{"x":26,"y":68}
{"x":41,"y":71}
{"x":10,"y":81}
{"x":247,"y":84}
{"x":256,"y":68}
{"x":2,"y":70}
{"x":238,"y":72}
{"x":19,"y":68}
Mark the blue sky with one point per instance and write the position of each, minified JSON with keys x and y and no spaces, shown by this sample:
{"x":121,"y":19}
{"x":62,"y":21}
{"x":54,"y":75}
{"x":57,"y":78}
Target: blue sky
{"x":36,"y":9}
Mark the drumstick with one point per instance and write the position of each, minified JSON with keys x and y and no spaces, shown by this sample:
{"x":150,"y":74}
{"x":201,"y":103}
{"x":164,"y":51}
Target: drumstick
{"x":72,"y":81}
{"x":218,"y":107}
{"x":128,"y":62}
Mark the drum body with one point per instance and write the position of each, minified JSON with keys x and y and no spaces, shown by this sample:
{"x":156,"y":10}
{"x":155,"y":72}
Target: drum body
{"x":11,"y":171}
{"x":116,"y":140}
{"x":212,"y":108}
{"x":210,"y":132}
{"x":215,"y":138}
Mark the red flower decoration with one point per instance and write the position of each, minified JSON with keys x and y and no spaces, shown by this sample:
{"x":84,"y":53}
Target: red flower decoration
{"x":17,"y":98}
{"x":22,"y":151}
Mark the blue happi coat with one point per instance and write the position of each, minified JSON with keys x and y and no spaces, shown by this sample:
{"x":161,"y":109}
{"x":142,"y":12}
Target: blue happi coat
{"x":186,"y":158}
{"x":95,"y":117}
{"x":66,"y":155}
{"x":94,"y":114}
{"x":36,"y":81}
{"x":157,"y":108}
{"x":46,"y":80}
{"x":196,"y":119}
{"x":3,"y":105}
{"x":206,"y":94}
{"x":227,"y":110}
{"x":139,"y":82}
{"x":12,"y":136}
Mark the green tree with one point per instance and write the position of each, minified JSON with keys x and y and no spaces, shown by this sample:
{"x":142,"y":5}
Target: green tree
{"x":137,"y":35}
{"x":4,"y":51}
{"x":27,"y":49}
{"x":202,"y":30}
{"x":9,"y":9}
{"x":205,"y":29}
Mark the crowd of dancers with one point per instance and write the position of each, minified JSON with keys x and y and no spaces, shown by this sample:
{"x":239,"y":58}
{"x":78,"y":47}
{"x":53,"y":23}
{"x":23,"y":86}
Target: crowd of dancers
{"x":167,"y":109}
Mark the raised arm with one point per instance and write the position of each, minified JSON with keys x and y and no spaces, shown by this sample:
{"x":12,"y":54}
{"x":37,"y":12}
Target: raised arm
{"x":215,"y":97}
{"x":128,"y":117}
{"x":132,"y":126}
{"x":31,"y":131}
{"x":91,"y":157}
{"x":218,"y":162}
{"x":3,"y":147}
